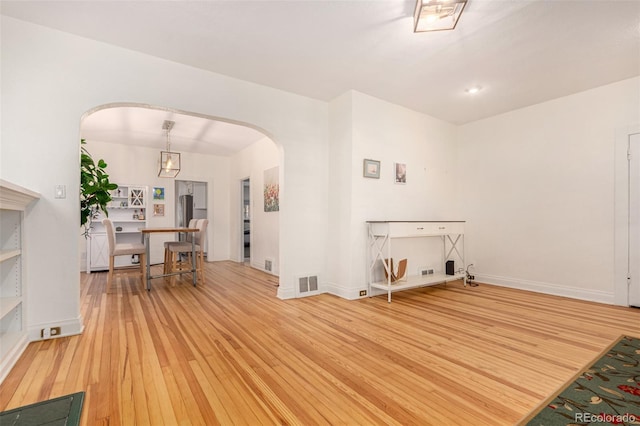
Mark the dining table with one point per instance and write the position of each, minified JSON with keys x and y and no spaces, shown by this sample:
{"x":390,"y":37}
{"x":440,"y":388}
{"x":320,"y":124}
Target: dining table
{"x":146,"y":233}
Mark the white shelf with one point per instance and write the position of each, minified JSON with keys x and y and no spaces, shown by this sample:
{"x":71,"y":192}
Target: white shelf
{"x":14,"y":200}
{"x":7,"y":304}
{"x":14,"y":197}
{"x":9,"y":254}
{"x":417,"y":281}
{"x":135,"y":197}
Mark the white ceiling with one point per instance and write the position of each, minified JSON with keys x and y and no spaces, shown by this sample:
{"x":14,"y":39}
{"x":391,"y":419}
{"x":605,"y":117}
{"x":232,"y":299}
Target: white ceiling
{"x":137,"y":125}
{"x":520,"y":52}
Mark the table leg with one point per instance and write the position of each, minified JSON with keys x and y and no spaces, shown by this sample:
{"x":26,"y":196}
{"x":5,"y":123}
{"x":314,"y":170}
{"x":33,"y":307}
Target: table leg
{"x":146,"y":247}
{"x":193,"y":260}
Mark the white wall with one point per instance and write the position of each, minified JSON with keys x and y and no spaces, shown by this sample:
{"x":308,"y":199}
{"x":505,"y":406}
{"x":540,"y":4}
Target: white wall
{"x":50,"y":79}
{"x":537,"y":190}
{"x":338,"y":279}
{"x":383,"y":131}
{"x":535,"y":185}
{"x":136,"y":165}
{"x":251,"y":163}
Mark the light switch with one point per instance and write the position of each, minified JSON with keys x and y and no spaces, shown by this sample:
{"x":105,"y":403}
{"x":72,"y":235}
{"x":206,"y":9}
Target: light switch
{"x":61,"y":191}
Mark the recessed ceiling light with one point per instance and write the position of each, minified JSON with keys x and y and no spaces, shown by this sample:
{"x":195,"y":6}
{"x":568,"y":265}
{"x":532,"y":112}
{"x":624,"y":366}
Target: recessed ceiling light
{"x":473,"y":90}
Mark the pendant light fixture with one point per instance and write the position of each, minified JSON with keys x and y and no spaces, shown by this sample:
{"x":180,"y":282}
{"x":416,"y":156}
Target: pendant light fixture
{"x":169,"y":161}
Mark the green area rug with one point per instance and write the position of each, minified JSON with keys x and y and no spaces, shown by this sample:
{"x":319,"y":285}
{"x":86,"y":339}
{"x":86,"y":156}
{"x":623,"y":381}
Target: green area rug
{"x":608,"y":392}
{"x":61,"y":411}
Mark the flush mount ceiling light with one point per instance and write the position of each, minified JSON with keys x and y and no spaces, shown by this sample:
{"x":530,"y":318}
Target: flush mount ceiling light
{"x":169,"y":161}
{"x":473,"y":90}
{"x":436,"y":15}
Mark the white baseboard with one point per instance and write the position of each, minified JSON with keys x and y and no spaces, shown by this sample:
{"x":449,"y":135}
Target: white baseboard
{"x":261,"y":268}
{"x":548,"y":288}
{"x":535,"y":286}
{"x":345,"y":293}
{"x":12,"y":357}
{"x":284,"y":294}
{"x":67,"y":328}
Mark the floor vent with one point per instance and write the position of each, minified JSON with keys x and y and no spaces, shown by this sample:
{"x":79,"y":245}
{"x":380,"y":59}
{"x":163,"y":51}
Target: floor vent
{"x":308,"y":284}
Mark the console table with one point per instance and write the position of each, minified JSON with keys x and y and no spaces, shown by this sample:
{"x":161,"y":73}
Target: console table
{"x":380,"y":237}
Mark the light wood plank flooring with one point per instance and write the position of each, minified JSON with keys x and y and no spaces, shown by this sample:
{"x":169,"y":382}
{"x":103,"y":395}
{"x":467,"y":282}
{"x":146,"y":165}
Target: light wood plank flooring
{"x":229,"y":352}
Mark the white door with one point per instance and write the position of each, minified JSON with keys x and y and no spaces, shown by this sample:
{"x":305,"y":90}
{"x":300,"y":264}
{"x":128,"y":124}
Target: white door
{"x":634,"y":220}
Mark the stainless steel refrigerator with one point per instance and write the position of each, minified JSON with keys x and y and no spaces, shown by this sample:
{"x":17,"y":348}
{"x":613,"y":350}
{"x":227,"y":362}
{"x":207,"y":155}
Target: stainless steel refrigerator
{"x":185,"y":211}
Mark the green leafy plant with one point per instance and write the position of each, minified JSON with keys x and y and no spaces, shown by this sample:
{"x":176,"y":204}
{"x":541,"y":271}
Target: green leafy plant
{"x":94,"y":187}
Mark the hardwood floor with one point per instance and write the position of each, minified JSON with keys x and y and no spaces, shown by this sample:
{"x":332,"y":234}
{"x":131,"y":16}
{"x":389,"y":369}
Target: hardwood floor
{"x":229,"y":352}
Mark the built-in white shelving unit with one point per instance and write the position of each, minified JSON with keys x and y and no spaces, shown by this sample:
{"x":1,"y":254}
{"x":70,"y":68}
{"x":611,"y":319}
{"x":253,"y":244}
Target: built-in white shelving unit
{"x":13,"y":328}
{"x":128,"y":212}
{"x":381,"y":235}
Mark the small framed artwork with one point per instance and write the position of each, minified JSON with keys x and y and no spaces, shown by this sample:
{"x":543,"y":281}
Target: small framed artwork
{"x":158,"y":209}
{"x":271,"y":190}
{"x":371,"y":169}
{"x":158,"y":193}
{"x":401,"y":173}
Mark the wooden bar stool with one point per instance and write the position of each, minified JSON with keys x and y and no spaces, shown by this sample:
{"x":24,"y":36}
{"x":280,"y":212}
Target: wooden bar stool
{"x":167,"y":253}
{"x":176,"y":248}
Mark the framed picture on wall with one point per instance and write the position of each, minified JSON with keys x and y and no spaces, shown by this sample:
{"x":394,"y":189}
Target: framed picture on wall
{"x":158,"y":193}
{"x":271,"y":190}
{"x":401,"y":173}
{"x":158,"y":209}
{"x":371,"y":169}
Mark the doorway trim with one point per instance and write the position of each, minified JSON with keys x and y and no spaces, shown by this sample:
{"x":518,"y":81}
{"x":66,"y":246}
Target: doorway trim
{"x":621,"y":215}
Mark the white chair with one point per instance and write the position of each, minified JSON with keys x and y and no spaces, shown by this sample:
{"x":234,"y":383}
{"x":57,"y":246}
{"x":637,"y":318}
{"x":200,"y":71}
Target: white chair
{"x":185,"y":247}
{"x":122,"y":249}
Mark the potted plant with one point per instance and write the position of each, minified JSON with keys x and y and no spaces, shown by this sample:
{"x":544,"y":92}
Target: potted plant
{"x":94,"y":188}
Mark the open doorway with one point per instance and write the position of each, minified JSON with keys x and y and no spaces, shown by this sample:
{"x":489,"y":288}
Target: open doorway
{"x":215,"y":155}
{"x":191,"y":203}
{"x":246,"y":220}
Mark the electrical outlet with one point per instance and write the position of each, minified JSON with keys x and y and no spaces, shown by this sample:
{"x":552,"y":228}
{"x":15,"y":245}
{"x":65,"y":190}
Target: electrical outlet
{"x":428,"y":271}
{"x":48,"y":333}
{"x":363,"y":292}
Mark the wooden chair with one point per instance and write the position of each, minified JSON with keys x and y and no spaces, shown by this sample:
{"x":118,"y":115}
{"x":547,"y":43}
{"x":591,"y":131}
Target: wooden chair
{"x":167,"y":253}
{"x":122,"y":249}
{"x":395,"y":276}
{"x":185,"y":247}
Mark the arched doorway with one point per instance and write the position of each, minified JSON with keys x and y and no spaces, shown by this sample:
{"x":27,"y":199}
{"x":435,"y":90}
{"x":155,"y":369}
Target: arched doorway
{"x":214,"y":151}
